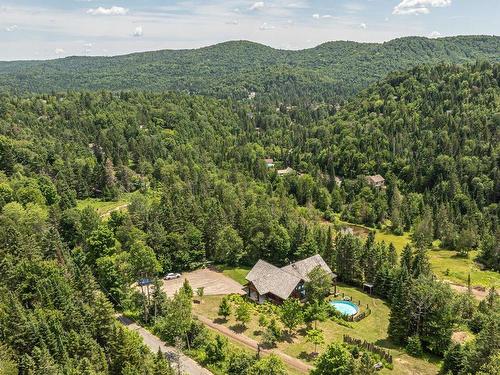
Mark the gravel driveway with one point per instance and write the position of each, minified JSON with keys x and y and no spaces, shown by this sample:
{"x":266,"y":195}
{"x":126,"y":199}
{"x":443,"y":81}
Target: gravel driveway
{"x":215,"y":283}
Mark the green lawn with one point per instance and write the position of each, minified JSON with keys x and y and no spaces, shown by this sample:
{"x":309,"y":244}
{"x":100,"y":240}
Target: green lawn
{"x":373,"y":329}
{"x":449,"y":266}
{"x":399,"y":242}
{"x":237,"y":273}
{"x":445,"y":263}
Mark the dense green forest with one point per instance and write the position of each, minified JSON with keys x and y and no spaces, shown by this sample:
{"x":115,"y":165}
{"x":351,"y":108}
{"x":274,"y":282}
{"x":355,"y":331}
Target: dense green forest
{"x":330,"y":71}
{"x":204,"y":193}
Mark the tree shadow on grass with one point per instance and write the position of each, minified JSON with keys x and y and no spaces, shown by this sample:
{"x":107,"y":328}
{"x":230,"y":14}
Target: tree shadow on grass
{"x":238,"y":328}
{"x":302,"y":331}
{"x":305,"y":356}
{"x":287,"y":337}
{"x":267,"y":345}
{"x":387,"y":344}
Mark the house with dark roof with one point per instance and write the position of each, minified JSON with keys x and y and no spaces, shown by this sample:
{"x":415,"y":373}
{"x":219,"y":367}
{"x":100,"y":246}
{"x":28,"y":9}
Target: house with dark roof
{"x":267,"y":282}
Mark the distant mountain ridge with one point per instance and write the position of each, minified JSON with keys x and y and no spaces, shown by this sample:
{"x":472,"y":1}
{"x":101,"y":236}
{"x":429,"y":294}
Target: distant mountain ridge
{"x":332,"y":70}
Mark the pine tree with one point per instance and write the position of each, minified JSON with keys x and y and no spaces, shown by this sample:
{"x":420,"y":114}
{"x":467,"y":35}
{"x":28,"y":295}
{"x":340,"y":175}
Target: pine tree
{"x":420,"y":264}
{"x":398,"y":320}
{"x":407,"y":258}
{"x":224,"y":308}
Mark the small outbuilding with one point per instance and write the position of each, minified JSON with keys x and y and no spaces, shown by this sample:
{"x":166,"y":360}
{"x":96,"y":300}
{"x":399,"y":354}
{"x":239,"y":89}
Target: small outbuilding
{"x":376,"y":180}
{"x":284,"y":172}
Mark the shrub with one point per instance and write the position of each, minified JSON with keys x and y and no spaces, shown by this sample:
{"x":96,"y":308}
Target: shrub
{"x":476,"y":323}
{"x":414,"y":346}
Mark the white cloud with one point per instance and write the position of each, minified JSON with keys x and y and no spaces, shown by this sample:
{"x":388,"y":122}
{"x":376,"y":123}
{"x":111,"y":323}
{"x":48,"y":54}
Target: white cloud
{"x":419,"y":6}
{"x":11,"y":28}
{"x":434,"y":34}
{"x":266,"y":26}
{"x":257,"y":5}
{"x":88,"y":45}
{"x":59,"y":51}
{"x":113,"y":11}
{"x":137,"y":31}
{"x":233,"y":22}
{"x":363,"y":26}
{"x":317,"y":16}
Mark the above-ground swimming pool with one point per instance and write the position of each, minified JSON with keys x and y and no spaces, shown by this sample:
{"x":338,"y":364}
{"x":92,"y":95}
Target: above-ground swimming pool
{"x":345,"y":307}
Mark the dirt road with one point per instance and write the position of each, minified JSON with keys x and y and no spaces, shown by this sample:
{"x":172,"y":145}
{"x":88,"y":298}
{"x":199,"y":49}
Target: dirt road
{"x":252,"y":344}
{"x":477,"y":293}
{"x":186,"y":364}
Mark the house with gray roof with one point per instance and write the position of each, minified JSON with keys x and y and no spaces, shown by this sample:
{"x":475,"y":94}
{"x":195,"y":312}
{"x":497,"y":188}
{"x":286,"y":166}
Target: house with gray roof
{"x":267,"y":282}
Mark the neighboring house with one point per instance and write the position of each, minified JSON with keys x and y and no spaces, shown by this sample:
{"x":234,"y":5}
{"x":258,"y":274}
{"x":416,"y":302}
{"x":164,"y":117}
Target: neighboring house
{"x":376,"y":180}
{"x":269,"y":163}
{"x":270,"y":283}
{"x":283,"y":172}
{"x":347,"y":230}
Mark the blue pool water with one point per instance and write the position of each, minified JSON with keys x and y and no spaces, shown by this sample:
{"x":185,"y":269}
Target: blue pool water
{"x":345,"y":307}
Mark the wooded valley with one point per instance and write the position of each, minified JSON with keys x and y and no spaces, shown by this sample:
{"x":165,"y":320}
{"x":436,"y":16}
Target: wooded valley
{"x":190,"y":174}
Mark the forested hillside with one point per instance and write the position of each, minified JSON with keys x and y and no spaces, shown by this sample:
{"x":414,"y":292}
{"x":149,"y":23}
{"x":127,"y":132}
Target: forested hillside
{"x":331,"y":71}
{"x":204,"y":193}
{"x":433,"y":132}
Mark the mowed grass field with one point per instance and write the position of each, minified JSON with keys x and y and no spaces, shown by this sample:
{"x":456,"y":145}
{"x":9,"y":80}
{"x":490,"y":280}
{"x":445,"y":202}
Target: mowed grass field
{"x":372,"y":329}
{"x":447,"y":265}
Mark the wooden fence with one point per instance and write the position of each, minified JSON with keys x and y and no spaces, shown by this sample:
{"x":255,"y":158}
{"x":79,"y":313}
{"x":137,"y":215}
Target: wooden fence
{"x":370,"y":347}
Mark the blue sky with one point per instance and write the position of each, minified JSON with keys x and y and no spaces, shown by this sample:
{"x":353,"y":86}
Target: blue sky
{"x":44,"y":29}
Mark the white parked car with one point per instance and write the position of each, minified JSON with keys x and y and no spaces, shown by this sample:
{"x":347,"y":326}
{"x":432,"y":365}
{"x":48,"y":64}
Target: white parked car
{"x":171,"y":276}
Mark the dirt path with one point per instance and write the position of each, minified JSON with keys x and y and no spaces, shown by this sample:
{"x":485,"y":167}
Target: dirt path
{"x":477,"y":293}
{"x":108,"y":213}
{"x":252,"y":344}
{"x":186,"y":364}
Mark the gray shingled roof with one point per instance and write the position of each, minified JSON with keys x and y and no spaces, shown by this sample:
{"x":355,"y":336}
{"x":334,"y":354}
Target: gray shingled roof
{"x":270,"y":279}
{"x":376,"y":178}
{"x":302,"y":268}
{"x":282,"y":281}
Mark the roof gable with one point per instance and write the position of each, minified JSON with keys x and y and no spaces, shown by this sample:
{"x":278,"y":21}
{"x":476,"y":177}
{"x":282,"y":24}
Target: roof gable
{"x":281,"y":282}
{"x":270,"y":279}
{"x":302,"y":268}
{"x":376,"y":178}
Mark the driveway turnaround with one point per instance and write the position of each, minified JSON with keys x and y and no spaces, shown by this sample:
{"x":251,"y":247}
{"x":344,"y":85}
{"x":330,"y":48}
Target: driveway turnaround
{"x":215,"y":283}
{"x":186,"y":364}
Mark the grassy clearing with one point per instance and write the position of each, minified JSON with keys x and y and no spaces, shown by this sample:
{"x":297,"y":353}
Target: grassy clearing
{"x":446,"y":264}
{"x":102,"y":207}
{"x":105,"y":207}
{"x":372,"y":329}
{"x":449,"y":266}
{"x":238,"y":274}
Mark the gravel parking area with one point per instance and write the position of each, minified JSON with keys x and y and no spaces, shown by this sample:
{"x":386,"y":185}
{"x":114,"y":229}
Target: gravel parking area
{"x":215,"y":283}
